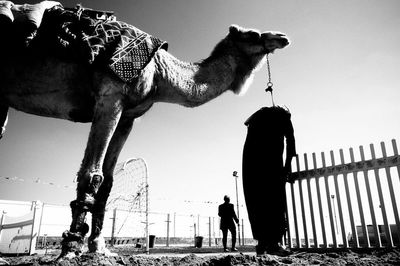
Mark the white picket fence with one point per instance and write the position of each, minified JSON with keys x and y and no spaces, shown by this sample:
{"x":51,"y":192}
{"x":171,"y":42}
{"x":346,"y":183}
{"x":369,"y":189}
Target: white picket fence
{"x":350,"y":204}
{"x":18,"y":234}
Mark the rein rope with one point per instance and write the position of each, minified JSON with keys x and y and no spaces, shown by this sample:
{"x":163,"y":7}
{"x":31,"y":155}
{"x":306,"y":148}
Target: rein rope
{"x":270,"y":84}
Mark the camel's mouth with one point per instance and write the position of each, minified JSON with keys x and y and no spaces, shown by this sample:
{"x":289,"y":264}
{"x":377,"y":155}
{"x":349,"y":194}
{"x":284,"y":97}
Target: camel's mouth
{"x":254,"y":43}
{"x":274,"y":40}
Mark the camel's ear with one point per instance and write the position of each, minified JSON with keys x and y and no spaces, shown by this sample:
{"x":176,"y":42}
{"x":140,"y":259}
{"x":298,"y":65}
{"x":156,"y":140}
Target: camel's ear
{"x":234,"y":29}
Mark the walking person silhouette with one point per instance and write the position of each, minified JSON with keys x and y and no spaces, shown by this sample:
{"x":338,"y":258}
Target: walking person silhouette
{"x":228,"y":218}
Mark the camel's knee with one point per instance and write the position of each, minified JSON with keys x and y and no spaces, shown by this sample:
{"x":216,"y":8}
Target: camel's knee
{"x":96,"y":179}
{"x":104,"y":190}
{"x":88,"y":187}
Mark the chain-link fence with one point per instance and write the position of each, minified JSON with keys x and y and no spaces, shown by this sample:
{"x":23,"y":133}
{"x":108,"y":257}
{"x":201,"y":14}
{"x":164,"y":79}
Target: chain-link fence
{"x":129,"y":227}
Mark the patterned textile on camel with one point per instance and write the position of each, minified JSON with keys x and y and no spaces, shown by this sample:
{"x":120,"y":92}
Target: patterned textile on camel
{"x":85,"y":34}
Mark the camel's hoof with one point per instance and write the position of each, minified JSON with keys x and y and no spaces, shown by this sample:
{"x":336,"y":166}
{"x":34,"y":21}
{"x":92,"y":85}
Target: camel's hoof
{"x":71,"y":246}
{"x":97,"y":245}
{"x":108,"y":253}
{"x":66,"y":256}
{"x":75,"y":247}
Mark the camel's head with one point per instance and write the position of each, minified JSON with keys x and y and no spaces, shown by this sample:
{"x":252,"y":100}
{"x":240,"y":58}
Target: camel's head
{"x":249,"y":47}
{"x":254,"y":43}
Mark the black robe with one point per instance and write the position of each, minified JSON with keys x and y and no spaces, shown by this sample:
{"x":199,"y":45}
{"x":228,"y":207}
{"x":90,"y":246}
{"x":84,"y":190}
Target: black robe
{"x":263,"y":172}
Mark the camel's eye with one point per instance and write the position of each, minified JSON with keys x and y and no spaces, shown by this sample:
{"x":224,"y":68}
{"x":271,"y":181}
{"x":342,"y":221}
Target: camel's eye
{"x":244,"y":35}
{"x":248,"y":37}
{"x":251,"y":36}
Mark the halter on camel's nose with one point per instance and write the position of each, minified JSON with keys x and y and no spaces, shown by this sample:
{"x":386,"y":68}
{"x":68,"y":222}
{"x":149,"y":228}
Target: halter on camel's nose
{"x":275,"y":40}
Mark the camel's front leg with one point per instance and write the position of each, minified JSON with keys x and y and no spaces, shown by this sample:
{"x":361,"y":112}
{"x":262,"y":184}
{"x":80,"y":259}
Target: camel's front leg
{"x":106,"y":116}
{"x":96,"y":241}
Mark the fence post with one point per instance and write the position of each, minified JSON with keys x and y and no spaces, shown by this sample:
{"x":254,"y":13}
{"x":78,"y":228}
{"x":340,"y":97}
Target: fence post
{"x":114,"y":218}
{"x":359,"y":202}
{"x":349,"y":204}
{"x":35,"y":207}
{"x":174,"y":224}
{"x":242,"y":232}
{"x":287,"y":243}
{"x":311,"y":205}
{"x":40,"y":225}
{"x":371,"y":203}
{"x":296,"y":228}
{"x":1,"y":222}
{"x":328,"y":199}
{"x":194,"y":228}
{"x":394,"y":204}
{"x":303,"y":210}
{"x":321,"y":212}
{"x":213,"y":224}
{"x":381,"y":200}
{"x":339,"y":204}
{"x":168,"y":221}
{"x":209,"y":231}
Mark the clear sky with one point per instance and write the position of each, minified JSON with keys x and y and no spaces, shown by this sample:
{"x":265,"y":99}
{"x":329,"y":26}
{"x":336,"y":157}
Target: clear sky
{"x":340,"y":79}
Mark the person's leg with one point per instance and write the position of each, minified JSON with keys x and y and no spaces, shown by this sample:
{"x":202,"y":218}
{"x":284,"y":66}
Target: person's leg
{"x":224,"y":237}
{"x":233,"y":233}
{"x":274,"y":241}
{"x":261,"y":247}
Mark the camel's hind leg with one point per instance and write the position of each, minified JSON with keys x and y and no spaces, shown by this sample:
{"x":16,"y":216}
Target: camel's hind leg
{"x":3,"y":119}
{"x":106,"y":116}
{"x":96,"y":241}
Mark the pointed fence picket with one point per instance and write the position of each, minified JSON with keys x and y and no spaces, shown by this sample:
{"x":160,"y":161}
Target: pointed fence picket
{"x":344,"y":205}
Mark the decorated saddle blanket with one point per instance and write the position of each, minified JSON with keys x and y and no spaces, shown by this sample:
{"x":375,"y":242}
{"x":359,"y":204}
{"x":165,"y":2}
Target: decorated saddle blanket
{"x":97,"y":38}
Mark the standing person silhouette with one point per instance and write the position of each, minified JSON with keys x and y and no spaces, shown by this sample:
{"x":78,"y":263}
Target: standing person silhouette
{"x":265,"y":176}
{"x":228,"y":218}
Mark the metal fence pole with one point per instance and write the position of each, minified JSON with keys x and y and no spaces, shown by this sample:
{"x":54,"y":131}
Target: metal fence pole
{"x":378,"y":242}
{"x":359,"y":203}
{"x":32,"y":245}
{"x":213,"y":225}
{"x":194,"y":227}
{"x":237,"y":201}
{"x":168,"y":221}
{"x":174,"y":224}
{"x":349,"y":204}
{"x":242,"y":232}
{"x":388,"y":234}
{"x":209,"y":231}
{"x":198,"y":224}
{"x":40,"y":225}
{"x":392,"y":194}
{"x":114,"y":218}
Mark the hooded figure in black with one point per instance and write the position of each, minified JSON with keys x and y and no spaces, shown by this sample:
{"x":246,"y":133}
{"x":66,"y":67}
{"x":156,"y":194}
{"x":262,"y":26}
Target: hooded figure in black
{"x":265,"y":175}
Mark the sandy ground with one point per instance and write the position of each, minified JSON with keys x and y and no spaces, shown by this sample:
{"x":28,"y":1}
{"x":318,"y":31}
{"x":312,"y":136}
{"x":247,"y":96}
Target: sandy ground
{"x":213,"y":257}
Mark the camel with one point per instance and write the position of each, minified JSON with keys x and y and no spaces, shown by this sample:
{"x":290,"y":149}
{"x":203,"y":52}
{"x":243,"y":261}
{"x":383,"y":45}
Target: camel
{"x":45,"y":85}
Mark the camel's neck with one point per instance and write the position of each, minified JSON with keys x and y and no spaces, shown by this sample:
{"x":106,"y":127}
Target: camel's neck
{"x":192,"y":84}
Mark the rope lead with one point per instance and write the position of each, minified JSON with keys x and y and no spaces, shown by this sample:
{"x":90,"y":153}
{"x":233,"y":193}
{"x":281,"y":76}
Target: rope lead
{"x":270,"y":84}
